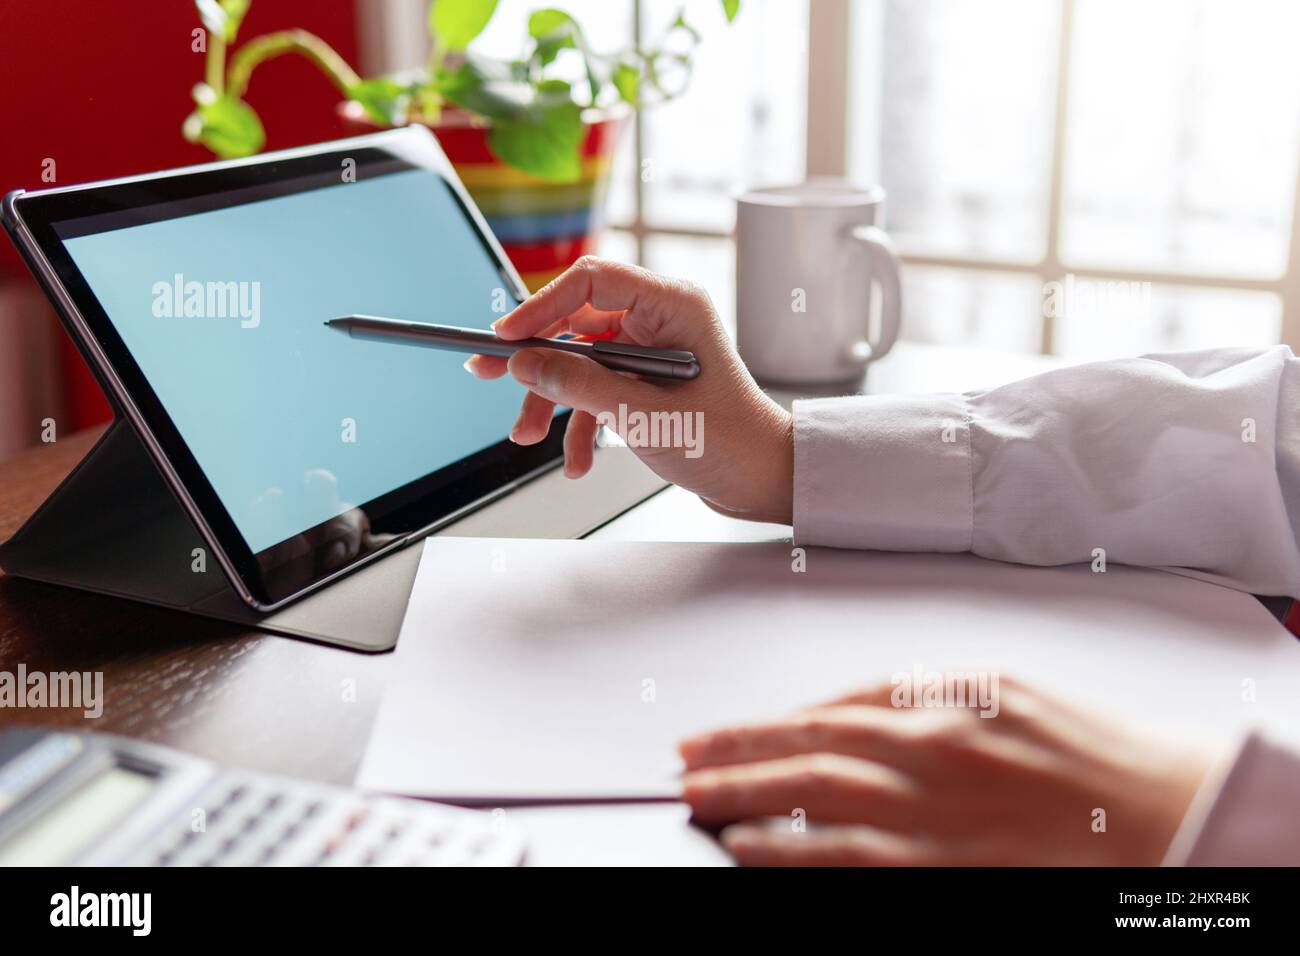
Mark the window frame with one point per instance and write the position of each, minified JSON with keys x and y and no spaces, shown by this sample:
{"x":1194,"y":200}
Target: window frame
{"x":830,"y":102}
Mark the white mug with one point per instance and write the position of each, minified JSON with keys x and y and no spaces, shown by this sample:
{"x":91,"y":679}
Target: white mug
{"x":808,"y":261}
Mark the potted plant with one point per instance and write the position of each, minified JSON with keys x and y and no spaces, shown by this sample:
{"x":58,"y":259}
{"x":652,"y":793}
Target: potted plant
{"x":534,"y":149}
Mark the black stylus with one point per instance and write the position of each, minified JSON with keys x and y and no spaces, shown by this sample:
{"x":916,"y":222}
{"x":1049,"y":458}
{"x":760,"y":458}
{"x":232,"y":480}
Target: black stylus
{"x":620,"y":356}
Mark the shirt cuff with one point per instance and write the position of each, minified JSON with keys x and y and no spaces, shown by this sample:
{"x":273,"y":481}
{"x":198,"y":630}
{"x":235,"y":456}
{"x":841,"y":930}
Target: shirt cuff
{"x":1246,"y":815}
{"x":883,"y":472}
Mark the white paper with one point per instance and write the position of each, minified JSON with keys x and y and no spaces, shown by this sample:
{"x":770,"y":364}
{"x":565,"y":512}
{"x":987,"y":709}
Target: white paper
{"x":536,"y":669}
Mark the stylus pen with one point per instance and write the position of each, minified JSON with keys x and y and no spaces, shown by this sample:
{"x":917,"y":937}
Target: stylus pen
{"x":620,"y":356}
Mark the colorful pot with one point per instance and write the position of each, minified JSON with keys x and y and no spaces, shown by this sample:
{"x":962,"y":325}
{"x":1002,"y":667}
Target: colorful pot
{"x":543,"y":226}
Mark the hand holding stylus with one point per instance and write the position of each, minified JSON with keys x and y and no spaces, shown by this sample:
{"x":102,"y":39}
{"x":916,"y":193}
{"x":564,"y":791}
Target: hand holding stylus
{"x":746,"y":463}
{"x":619,"y":356}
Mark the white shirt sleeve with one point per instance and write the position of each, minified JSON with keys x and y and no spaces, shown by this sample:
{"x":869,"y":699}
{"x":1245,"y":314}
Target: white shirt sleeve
{"x":1188,"y":462}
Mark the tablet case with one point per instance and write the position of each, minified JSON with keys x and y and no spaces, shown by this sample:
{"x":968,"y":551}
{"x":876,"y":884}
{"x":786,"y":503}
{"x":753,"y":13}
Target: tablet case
{"x":114,"y":527}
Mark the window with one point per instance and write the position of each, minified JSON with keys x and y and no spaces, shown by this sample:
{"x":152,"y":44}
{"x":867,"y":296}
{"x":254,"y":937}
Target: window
{"x":1089,"y":179}
{"x":739,"y":124}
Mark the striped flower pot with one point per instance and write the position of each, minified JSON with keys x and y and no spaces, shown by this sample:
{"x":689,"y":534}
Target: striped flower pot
{"x":544,"y":227}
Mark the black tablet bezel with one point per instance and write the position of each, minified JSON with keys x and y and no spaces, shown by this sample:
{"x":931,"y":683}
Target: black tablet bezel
{"x":39,"y":221}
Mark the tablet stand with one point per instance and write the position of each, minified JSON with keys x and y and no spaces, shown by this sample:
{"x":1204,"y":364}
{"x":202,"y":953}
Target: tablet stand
{"x":114,"y":527}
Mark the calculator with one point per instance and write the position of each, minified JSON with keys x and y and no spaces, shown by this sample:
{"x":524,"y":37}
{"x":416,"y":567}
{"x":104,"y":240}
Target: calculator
{"x":87,"y":799}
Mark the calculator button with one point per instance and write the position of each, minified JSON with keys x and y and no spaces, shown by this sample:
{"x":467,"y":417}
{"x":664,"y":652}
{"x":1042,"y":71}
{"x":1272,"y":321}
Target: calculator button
{"x":264,"y":821}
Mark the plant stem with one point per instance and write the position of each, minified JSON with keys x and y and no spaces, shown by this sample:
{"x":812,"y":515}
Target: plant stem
{"x":271,"y":45}
{"x":214,"y":66}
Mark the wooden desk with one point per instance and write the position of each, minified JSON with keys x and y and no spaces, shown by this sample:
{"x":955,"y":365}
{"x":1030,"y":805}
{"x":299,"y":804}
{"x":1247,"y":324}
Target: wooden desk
{"x":242,"y":697}
{"x":216,"y":690}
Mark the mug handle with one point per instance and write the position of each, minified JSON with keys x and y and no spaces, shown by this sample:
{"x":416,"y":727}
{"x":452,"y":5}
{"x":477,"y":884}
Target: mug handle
{"x":885,"y":273}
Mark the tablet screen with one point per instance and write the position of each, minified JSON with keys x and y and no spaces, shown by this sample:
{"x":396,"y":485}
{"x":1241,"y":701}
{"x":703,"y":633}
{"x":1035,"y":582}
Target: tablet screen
{"x":313,"y":442}
{"x":294,"y":423}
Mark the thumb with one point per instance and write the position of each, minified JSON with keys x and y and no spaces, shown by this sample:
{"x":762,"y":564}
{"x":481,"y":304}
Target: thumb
{"x":576,"y":381}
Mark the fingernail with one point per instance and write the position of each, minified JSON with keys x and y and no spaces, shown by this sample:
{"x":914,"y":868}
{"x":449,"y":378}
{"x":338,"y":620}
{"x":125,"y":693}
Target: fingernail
{"x":514,"y":429}
{"x":469,"y":365}
{"x":526,"y":366}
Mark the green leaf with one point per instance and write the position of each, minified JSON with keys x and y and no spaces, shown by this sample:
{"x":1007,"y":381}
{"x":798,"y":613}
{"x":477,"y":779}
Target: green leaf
{"x":548,"y":48}
{"x":454,"y":23}
{"x":553,"y":30}
{"x":487,"y":87}
{"x":550,"y":20}
{"x":680,"y":24}
{"x":222,"y":17}
{"x":598,"y":74}
{"x":627,"y":80}
{"x":476,"y":70}
{"x":384,"y":100}
{"x":730,"y":8}
{"x":227,"y":126}
{"x":543,"y":141}
{"x":235,"y":11}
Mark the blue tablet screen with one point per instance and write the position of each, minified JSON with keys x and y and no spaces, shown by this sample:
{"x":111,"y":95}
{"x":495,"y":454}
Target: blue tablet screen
{"x":294,"y":423}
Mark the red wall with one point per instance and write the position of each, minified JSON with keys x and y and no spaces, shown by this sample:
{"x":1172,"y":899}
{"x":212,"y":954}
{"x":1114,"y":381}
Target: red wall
{"x":102,"y":88}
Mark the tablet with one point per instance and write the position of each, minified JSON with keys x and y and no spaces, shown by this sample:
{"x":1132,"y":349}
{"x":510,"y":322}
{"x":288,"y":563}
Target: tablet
{"x":199,"y":297}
